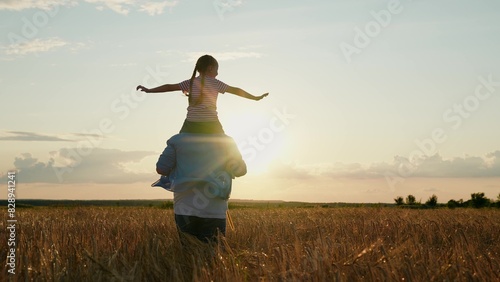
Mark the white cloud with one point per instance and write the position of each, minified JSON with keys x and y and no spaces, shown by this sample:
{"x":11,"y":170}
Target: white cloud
{"x":290,"y":171}
{"x":156,"y":8}
{"x":68,"y":166}
{"x":437,"y":166}
{"x":123,"y":7}
{"x":18,"y":5}
{"x":426,"y":167}
{"x":38,"y":137}
{"x":35,"y":46}
{"x":108,"y":166}
{"x":29,"y":136}
{"x":77,"y":46}
{"x":118,"y":6}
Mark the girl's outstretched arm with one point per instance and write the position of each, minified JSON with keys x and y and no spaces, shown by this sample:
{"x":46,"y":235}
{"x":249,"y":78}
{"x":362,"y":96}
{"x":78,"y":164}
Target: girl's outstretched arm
{"x":160,"y":89}
{"x":242,"y":93}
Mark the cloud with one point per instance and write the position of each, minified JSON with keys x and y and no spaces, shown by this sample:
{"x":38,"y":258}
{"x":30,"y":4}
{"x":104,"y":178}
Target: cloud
{"x":18,"y":5}
{"x":90,"y":135}
{"x":458,"y":167}
{"x":68,"y":165}
{"x":123,"y":7}
{"x":35,"y":46}
{"x":34,"y":136}
{"x":118,"y":6}
{"x":425,"y":167}
{"x":156,"y":8}
{"x":30,"y":136}
{"x":97,"y":165}
{"x":290,"y":171}
{"x":329,"y":170}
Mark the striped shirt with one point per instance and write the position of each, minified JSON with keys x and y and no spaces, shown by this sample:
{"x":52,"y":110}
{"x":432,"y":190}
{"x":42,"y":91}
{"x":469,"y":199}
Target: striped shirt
{"x":206,"y":110}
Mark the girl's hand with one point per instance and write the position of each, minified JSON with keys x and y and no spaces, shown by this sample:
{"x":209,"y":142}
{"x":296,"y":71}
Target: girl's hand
{"x":261,"y":96}
{"x":142,"y":88}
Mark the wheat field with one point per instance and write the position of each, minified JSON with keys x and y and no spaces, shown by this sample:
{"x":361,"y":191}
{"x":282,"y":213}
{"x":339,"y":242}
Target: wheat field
{"x":267,"y":244}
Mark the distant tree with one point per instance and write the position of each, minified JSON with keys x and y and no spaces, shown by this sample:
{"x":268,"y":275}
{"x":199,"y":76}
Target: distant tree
{"x":478,"y":200}
{"x":452,"y":204}
{"x":399,"y":200}
{"x":410,"y":200}
{"x":432,"y":201}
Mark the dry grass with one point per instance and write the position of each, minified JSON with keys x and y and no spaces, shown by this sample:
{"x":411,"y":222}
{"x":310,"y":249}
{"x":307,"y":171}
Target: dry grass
{"x":280,"y":244}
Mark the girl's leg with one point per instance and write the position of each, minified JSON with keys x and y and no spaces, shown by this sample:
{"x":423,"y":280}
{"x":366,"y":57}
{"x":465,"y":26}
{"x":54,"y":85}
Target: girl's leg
{"x":209,"y":127}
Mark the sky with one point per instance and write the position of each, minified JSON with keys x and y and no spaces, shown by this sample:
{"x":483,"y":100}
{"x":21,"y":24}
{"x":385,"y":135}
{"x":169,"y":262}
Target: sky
{"x":369,"y":100}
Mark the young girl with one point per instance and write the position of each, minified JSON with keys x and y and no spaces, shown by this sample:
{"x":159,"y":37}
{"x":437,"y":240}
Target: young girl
{"x":202,"y":92}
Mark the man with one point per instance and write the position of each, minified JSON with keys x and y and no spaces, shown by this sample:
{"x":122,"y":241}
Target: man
{"x":199,"y":169}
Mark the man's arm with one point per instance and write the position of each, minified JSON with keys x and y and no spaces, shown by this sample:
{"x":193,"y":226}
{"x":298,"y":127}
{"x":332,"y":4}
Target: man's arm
{"x":242,"y":93}
{"x":166,"y":161}
{"x":235,"y":164}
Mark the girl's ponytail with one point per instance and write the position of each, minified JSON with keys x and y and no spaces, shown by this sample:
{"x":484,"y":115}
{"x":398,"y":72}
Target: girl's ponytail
{"x":200,"y":99}
{"x":201,"y":66}
{"x":191,"y":85}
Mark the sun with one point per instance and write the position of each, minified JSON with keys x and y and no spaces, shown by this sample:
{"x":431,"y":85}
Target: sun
{"x":258,"y":141}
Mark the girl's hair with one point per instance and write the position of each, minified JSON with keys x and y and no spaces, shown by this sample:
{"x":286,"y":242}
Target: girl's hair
{"x":201,"y":66}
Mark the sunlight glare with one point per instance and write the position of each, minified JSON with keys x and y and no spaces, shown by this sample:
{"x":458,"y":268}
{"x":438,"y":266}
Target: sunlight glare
{"x":257,"y":142}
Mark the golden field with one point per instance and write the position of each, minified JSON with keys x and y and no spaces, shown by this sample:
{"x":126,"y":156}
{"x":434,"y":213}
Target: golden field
{"x":267,"y":244}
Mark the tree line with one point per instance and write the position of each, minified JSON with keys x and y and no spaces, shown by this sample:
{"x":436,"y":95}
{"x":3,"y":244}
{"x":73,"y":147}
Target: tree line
{"x":477,"y":200}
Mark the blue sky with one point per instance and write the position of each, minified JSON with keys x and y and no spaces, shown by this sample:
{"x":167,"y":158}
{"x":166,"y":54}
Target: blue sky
{"x":368,"y":99}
